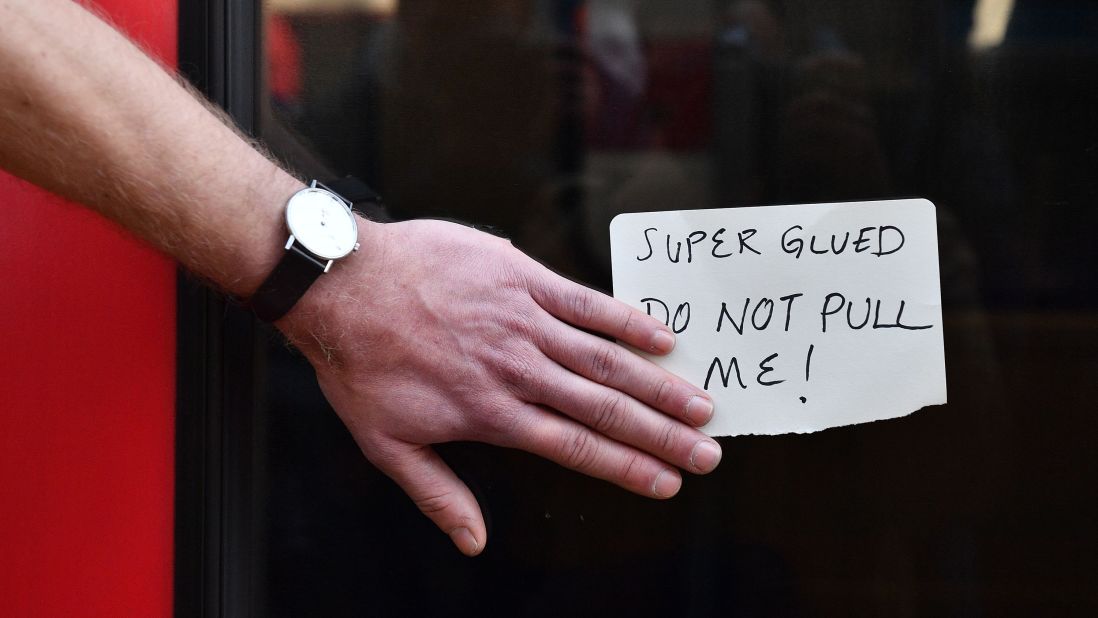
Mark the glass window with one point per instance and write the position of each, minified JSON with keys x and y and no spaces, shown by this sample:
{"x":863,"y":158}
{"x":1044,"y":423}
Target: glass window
{"x":545,"y":118}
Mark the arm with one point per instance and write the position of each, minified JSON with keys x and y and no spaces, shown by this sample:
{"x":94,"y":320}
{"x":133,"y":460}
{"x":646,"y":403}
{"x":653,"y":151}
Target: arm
{"x":432,"y":333}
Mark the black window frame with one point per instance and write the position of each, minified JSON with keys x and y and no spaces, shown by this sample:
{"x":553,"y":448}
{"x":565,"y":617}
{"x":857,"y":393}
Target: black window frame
{"x":218,"y":354}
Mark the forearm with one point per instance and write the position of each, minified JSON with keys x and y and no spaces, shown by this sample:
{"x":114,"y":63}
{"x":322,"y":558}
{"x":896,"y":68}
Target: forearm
{"x":432,"y":333}
{"x":87,"y":115}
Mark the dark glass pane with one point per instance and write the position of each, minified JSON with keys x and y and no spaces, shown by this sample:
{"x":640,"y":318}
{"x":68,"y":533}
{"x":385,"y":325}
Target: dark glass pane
{"x":544,"y":119}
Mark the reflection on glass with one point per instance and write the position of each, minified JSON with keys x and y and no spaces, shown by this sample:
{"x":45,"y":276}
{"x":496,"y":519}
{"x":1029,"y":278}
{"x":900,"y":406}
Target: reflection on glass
{"x":544,"y":119}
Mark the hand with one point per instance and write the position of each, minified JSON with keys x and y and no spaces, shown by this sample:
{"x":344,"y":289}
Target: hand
{"x":436,"y":332}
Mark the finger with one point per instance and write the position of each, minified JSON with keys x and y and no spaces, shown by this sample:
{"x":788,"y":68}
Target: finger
{"x":574,"y":446}
{"x":610,"y":364}
{"x":583,"y":307}
{"x":626,"y":420}
{"x":438,"y":493}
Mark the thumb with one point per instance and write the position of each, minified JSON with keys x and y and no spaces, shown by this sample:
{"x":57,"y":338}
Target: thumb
{"x":439,"y":494}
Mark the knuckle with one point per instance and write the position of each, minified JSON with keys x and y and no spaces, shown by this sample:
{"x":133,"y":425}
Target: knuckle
{"x":515,"y":369}
{"x":669,"y":437}
{"x":609,"y":415}
{"x":504,"y":424}
{"x":518,"y":322}
{"x":539,"y":282}
{"x":433,"y":504}
{"x":585,"y":306}
{"x":632,"y":463}
{"x":661,"y":393}
{"x":603,"y":364}
{"x":379,"y":452}
{"x":627,"y":321}
{"x":579,"y":449}
{"x":512,"y":276}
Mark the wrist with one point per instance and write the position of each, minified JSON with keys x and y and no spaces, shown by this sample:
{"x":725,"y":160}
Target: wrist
{"x":267,"y":234}
{"x":313,"y":324}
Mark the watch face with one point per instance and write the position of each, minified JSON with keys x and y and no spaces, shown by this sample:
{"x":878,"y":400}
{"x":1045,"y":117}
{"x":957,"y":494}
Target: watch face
{"x":322,"y":223}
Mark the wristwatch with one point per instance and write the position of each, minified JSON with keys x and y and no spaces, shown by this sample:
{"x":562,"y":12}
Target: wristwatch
{"x":323,"y":230}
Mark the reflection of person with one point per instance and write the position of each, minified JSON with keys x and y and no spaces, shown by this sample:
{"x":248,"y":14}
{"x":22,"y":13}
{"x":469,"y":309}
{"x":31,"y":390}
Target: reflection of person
{"x":433,"y":332}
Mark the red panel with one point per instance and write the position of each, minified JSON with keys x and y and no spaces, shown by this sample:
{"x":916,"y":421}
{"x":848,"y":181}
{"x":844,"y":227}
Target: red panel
{"x":87,"y":379}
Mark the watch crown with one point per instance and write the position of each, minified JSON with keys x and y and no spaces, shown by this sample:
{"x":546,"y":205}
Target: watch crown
{"x":357,"y":245}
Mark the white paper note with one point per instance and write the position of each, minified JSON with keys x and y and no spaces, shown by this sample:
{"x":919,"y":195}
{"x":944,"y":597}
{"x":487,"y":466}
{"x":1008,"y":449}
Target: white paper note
{"x":794,"y":318}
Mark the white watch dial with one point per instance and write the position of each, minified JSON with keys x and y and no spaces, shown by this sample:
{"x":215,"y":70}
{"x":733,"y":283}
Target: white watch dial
{"x":322,"y":223}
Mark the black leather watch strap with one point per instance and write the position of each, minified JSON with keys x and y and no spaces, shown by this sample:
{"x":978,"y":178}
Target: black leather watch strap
{"x":298,"y":268}
{"x":287,"y":283}
{"x":354,"y":191}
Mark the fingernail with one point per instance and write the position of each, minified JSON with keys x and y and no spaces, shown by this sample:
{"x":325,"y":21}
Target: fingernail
{"x":667,"y":484}
{"x":705,"y":456}
{"x":699,"y":410}
{"x":662,"y":342}
{"x":465,"y":541}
